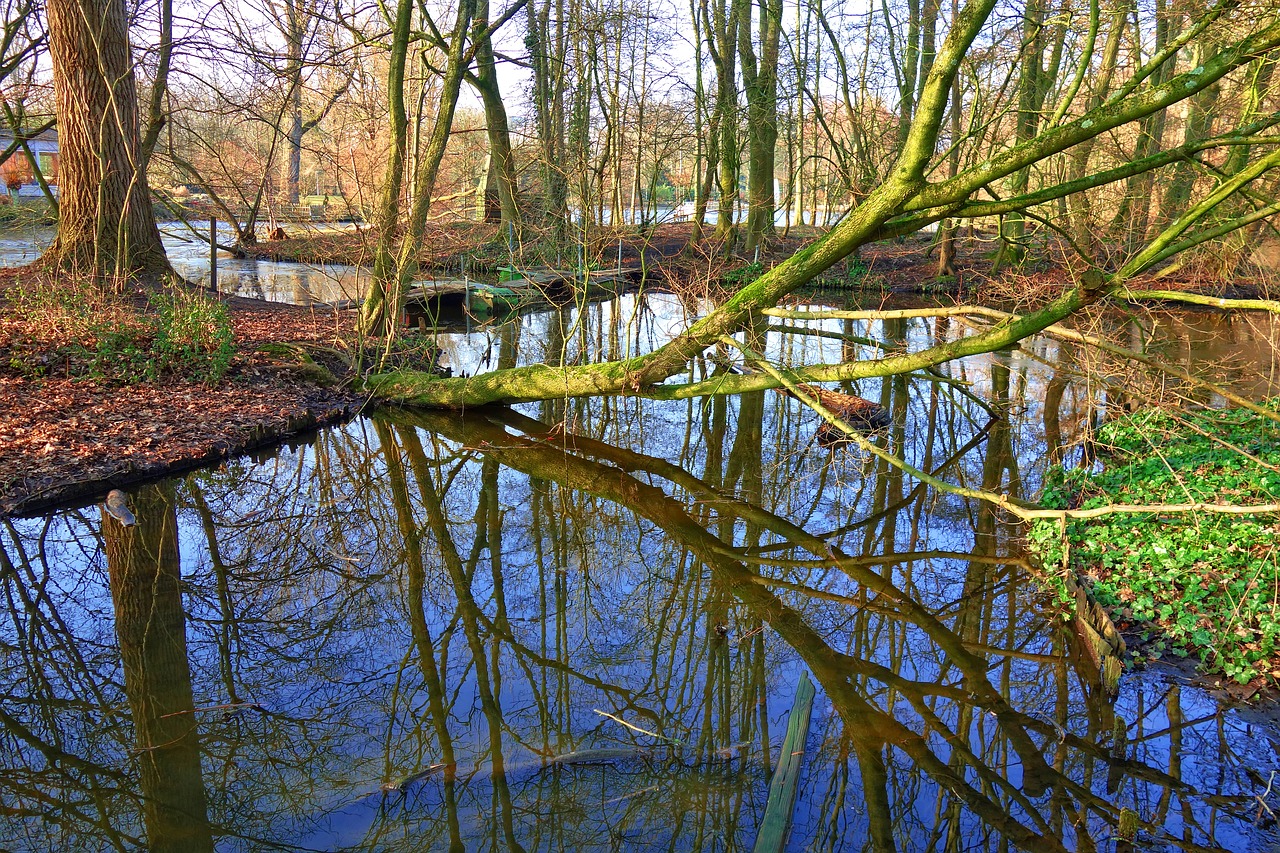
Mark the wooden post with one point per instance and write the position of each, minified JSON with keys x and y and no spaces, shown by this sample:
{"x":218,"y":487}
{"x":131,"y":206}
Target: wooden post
{"x":213,"y":253}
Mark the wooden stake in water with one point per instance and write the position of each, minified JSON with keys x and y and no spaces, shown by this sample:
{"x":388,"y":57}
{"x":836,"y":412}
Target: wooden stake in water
{"x":775,"y":826}
{"x":213,"y":253}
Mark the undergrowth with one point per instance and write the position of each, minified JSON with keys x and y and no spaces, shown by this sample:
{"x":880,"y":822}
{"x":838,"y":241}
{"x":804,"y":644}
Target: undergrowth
{"x":1197,"y":583}
{"x":80,"y":331}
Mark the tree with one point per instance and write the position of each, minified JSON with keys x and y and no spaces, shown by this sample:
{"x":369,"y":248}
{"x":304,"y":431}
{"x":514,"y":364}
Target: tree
{"x":760,"y":76}
{"x":721,"y":22}
{"x":904,"y":203}
{"x":106,"y":226}
{"x":395,"y":267}
{"x":501,"y":179}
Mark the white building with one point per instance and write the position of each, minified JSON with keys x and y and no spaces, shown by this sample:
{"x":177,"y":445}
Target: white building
{"x":17,"y":178}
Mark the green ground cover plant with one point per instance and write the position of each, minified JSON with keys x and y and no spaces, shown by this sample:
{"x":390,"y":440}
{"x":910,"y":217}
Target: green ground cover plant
{"x":84,"y":332}
{"x":1194,"y":583}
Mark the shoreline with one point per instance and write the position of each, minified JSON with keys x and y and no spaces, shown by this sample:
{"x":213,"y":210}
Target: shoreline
{"x":110,"y":471}
{"x":66,"y":436}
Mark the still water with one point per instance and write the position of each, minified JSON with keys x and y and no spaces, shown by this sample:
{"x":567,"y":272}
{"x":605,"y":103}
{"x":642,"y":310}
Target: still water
{"x":580,"y":625}
{"x":188,"y":251}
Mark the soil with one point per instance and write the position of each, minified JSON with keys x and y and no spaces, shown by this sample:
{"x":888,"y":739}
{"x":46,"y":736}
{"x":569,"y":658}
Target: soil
{"x":65,"y":438}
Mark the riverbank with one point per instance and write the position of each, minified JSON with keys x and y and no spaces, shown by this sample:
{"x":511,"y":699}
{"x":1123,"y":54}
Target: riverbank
{"x":1201,"y":583}
{"x":97,"y":395}
{"x":901,"y":266}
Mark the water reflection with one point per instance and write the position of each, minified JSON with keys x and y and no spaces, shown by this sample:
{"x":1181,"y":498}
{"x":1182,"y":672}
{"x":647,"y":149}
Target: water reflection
{"x":145,"y":573}
{"x":583,"y":630}
{"x":188,"y":252}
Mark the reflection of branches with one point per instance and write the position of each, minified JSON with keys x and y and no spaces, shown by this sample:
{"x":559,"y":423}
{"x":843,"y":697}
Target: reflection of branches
{"x":57,"y":677}
{"x":869,"y":727}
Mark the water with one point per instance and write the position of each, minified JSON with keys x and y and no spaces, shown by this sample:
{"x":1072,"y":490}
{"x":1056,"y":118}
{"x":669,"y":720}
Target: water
{"x":188,"y":251}
{"x":579,"y":625}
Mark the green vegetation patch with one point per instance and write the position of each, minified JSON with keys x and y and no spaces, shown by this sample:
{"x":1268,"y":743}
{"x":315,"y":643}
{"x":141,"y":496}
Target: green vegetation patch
{"x":78,"y":330}
{"x":1198,"y":582}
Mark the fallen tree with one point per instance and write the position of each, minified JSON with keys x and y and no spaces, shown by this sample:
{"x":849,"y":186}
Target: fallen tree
{"x":908,"y":201}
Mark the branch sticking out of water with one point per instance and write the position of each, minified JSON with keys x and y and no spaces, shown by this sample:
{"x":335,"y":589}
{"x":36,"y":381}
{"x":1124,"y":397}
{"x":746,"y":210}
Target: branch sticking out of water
{"x":1021,"y":509}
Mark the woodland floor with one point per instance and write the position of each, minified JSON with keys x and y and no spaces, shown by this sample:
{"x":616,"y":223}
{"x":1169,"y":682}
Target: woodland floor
{"x":67,"y":434}
{"x":64,"y":438}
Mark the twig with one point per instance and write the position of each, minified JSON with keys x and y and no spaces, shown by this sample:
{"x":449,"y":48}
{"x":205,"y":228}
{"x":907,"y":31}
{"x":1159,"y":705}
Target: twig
{"x":637,"y":728}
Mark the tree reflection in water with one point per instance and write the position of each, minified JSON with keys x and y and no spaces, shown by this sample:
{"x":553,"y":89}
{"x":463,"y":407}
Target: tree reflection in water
{"x":488,"y":632}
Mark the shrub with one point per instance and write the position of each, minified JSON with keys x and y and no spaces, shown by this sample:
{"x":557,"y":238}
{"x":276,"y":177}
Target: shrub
{"x":192,"y":335}
{"x":100,"y":336}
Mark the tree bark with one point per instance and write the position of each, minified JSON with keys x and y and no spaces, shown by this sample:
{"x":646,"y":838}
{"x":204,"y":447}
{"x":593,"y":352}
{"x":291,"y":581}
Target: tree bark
{"x":106,"y":225}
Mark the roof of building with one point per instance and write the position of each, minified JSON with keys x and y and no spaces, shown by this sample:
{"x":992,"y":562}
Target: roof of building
{"x":48,"y":135}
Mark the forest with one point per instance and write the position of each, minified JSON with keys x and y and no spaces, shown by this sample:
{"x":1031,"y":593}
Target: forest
{"x":619,"y":424}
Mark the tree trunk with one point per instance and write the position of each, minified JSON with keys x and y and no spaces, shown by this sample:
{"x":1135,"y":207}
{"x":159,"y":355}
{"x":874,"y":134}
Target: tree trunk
{"x":1197,"y":126}
{"x":722,"y":36}
{"x":145,"y":571}
{"x":760,"y":74}
{"x":1079,"y":206}
{"x":156,"y":117}
{"x":1134,"y":210}
{"x":502,"y":172}
{"x":705,"y":131}
{"x":546,"y":56}
{"x":947,"y":227}
{"x":381,"y":309}
{"x":295,"y":31}
{"x":1013,"y":229}
{"x":904,"y":202}
{"x":372,"y":315}
{"x":106,"y":226}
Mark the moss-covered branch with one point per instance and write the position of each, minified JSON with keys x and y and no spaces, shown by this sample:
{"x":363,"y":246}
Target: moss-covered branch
{"x":904,"y":191}
{"x":540,"y":382}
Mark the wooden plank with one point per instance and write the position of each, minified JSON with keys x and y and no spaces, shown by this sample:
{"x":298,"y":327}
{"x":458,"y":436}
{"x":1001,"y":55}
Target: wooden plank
{"x":775,"y":826}
{"x":427,"y":289}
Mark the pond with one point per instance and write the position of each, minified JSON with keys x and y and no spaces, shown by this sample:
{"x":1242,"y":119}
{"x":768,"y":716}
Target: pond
{"x":188,"y":251}
{"x":582,"y":625}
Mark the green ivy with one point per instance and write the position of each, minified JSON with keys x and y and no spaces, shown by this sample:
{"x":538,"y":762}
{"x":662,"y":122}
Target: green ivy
{"x":744,"y":274}
{"x":1196,"y":584}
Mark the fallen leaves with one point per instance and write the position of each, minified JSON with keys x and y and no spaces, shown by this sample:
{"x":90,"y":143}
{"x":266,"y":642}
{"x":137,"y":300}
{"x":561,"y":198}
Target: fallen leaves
{"x":62,"y":438}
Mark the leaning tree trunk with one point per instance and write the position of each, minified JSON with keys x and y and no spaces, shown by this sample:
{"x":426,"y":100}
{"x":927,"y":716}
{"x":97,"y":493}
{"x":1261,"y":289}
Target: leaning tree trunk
{"x":106,"y":226}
